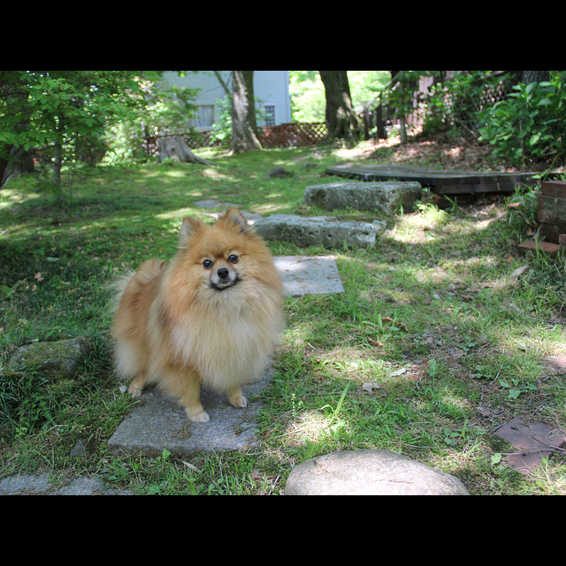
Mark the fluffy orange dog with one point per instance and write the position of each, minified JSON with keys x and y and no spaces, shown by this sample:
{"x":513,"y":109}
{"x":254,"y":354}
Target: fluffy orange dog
{"x":212,"y":316}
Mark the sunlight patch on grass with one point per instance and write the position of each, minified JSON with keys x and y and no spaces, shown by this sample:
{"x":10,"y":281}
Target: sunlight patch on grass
{"x":216,"y":175}
{"x":268,"y":208}
{"x":175,"y":173}
{"x":307,"y":426}
{"x":177,"y":214}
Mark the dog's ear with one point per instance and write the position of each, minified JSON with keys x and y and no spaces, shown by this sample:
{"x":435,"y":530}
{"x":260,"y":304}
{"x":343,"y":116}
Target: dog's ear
{"x":233,"y":217}
{"x":189,"y":227}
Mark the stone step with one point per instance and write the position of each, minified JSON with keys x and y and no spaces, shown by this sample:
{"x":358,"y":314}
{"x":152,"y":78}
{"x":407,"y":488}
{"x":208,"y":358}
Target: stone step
{"x":319,"y":230}
{"x":386,"y":197}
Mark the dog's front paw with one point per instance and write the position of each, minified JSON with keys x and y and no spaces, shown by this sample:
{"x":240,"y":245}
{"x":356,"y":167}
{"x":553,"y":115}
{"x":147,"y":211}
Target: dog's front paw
{"x":238,"y":400}
{"x":135,"y":391}
{"x":197,"y":417}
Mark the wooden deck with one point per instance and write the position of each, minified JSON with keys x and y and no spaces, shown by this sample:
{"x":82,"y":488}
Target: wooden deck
{"x":440,"y":182}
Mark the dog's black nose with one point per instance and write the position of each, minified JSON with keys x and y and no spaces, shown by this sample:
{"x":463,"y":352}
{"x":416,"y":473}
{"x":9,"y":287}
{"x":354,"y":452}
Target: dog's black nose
{"x":223,"y":273}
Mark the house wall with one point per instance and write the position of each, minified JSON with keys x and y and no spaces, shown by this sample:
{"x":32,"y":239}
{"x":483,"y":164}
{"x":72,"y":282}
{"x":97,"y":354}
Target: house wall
{"x":270,"y":87}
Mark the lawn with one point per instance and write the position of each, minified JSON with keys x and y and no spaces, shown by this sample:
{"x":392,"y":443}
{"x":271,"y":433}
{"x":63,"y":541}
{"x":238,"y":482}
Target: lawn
{"x":434,"y":344}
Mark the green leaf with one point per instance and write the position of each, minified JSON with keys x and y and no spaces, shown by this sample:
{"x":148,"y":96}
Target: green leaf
{"x":6,"y":290}
{"x":496,"y":458}
{"x":514,"y":393}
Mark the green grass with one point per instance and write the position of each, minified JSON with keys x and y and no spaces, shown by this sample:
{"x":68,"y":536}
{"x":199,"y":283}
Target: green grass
{"x":431,"y":317}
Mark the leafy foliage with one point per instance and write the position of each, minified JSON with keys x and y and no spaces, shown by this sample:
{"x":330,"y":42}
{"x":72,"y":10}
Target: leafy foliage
{"x":168,"y":110}
{"x":528,"y":126}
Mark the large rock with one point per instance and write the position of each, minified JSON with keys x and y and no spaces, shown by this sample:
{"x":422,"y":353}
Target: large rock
{"x":384,"y":197}
{"x":318,"y":230}
{"x":62,"y":358}
{"x":369,"y":472}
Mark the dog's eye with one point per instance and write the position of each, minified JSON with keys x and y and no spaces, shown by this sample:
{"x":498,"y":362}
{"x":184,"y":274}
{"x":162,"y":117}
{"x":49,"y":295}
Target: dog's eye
{"x":233,"y":258}
{"x":207,"y":264}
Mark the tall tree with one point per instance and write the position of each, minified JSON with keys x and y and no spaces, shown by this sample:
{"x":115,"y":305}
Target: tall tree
{"x":244,"y":122}
{"x":341,"y":120}
{"x":58,"y":109}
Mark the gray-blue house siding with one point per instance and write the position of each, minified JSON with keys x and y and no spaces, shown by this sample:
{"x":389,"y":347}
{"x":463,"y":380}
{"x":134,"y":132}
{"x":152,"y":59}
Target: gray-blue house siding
{"x":270,"y":87}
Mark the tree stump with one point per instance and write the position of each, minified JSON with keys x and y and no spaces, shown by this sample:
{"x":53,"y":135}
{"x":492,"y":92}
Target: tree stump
{"x":177,"y":148}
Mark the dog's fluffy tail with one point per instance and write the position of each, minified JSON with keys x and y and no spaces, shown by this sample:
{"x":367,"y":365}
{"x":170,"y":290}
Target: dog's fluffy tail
{"x":146,"y":272}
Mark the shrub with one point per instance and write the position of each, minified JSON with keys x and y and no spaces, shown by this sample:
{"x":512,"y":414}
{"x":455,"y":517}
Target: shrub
{"x":527,"y":127}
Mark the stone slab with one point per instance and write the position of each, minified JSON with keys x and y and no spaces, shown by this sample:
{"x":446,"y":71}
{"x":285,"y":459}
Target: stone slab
{"x":161,"y":424}
{"x":303,"y":275}
{"x":41,"y":484}
{"x":385,"y":197}
{"x":212,"y":203}
{"x":318,"y":230}
{"x":369,"y":472}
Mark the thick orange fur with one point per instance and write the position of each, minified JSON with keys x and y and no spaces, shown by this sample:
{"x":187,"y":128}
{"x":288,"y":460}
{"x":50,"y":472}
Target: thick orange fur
{"x":212,"y":316}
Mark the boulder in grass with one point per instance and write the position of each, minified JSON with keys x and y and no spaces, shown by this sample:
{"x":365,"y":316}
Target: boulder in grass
{"x":369,"y":472}
{"x":62,"y":358}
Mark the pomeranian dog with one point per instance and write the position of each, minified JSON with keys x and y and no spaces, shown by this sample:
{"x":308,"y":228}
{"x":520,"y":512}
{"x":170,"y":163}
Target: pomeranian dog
{"x":211,"y":317}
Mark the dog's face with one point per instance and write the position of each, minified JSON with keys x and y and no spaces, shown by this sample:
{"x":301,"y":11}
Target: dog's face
{"x":222,"y":270}
{"x":223,"y":256}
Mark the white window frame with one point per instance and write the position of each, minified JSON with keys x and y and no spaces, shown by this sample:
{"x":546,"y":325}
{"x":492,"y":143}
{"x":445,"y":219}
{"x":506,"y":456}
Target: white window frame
{"x":198,"y":122}
{"x":274,"y":115}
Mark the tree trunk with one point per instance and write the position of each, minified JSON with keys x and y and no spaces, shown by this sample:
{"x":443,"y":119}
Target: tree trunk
{"x":380,"y":123}
{"x":244,"y":124}
{"x":57,"y":162}
{"x":14,"y":159}
{"x":177,"y":148}
{"x":341,"y":119}
{"x":535,"y":76}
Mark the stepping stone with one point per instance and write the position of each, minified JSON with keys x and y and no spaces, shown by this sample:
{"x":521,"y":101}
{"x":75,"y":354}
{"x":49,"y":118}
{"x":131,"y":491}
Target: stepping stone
{"x":303,"y":275}
{"x":161,"y":423}
{"x":40,"y":484}
{"x":386,"y":197}
{"x":212,"y":203}
{"x":369,"y":472}
{"x":318,"y":230}
{"x":532,"y":442}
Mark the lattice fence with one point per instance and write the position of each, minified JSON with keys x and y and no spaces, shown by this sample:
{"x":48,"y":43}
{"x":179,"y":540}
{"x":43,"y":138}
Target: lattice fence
{"x":294,"y":134}
{"x":285,"y":135}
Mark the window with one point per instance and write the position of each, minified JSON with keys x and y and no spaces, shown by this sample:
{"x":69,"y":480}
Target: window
{"x":269,"y":111}
{"x":205,"y":117}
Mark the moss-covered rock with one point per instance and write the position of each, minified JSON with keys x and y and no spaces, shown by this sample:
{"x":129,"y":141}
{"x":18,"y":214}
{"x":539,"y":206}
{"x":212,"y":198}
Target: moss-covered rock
{"x":60,"y":359}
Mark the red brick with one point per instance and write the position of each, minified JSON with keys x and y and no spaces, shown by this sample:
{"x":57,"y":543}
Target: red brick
{"x":551,"y":232}
{"x":531,"y":245}
{"x":554,"y":189}
{"x":552,"y":210}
